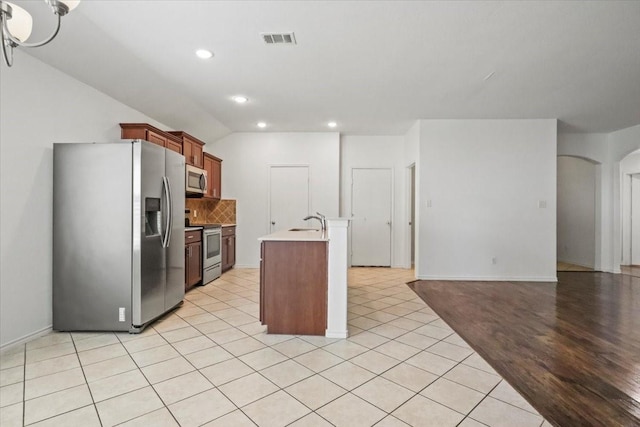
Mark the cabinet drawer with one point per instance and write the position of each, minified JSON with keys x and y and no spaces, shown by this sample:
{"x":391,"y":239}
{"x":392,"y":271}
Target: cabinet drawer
{"x":192,"y":236}
{"x":228,"y":231}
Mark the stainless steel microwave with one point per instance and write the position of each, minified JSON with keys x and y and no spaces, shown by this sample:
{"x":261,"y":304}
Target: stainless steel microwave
{"x":195,"y":180}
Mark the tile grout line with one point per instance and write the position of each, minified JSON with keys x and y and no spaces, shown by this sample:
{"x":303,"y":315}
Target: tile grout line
{"x":95,"y":408}
{"x":24,"y":384}
{"x":478,"y":404}
{"x":147,"y":379}
{"x":316,"y":345}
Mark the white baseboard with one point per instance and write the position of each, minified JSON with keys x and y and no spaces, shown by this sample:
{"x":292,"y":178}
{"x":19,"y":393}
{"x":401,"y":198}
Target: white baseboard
{"x":336,"y":334}
{"x":491,"y":278}
{"x":404,"y":266}
{"x":241,"y":266}
{"x":26,"y":338}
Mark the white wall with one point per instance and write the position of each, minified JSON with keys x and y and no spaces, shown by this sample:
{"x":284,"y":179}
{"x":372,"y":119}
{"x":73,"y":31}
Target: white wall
{"x":481,"y":182}
{"x":39,"y":105}
{"x":245,"y":177}
{"x":576,"y":220}
{"x":378,"y":152}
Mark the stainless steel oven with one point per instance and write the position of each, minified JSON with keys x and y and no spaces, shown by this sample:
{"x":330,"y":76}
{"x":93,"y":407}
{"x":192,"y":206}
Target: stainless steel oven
{"x":212,"y":253}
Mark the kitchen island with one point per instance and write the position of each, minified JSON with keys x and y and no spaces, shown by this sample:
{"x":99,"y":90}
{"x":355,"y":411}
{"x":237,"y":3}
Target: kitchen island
{"x":303,"y":281}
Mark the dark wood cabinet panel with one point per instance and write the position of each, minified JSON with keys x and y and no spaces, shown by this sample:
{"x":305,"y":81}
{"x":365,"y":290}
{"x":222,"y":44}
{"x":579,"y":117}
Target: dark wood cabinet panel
{"x":262,"y":262}
{"x":174,"y":146}
{"x":196,"y":152}
{"x":231,"y":257}
{"x":228,"y":248}
{"x":152,"y":134}
{"x":216,"y":178}
{"x":293,"y":287}
{"x":192,"y":148}
{"x":156,"y":138}
{"x":213,"y":166}
{"x":193,"y":259}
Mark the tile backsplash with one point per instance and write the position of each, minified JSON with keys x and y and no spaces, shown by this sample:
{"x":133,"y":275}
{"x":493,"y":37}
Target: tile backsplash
{"x":211,"y":211}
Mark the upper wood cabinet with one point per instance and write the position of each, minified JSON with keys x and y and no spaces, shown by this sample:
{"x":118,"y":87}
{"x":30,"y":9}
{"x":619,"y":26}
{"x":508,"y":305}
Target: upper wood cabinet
{"x":213,"y":166}
{"x":191,"y":148}
{"x":152,"y":134}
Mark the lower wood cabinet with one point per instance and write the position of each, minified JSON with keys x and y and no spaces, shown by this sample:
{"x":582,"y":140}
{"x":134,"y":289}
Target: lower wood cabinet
{"x":192,"y":259}
{"x":293,"y":287}
{"x":228,"y":248}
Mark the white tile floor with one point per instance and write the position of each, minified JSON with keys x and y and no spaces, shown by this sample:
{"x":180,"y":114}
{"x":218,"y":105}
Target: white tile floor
{"x":211,"y":363}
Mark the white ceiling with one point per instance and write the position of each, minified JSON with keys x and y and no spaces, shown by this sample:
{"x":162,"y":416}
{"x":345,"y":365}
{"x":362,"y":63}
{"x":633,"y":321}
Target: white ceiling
{"x":372,"y":66}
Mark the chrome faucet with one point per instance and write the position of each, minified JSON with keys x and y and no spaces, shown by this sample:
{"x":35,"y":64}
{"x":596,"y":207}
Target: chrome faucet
{"x":320,"y":217}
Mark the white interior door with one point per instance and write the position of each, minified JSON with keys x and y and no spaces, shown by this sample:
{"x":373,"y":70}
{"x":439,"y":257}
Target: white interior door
{"x":288,"y":197}
{"x":371,"y":217}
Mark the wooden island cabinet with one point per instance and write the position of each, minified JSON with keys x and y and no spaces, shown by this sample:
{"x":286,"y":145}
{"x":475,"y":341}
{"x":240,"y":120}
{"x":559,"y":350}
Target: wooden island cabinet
{"x":293,"y":283}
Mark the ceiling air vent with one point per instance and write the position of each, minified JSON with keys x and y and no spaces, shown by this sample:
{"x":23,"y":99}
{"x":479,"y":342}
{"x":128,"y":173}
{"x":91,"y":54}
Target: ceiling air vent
{"x":279,"y":38}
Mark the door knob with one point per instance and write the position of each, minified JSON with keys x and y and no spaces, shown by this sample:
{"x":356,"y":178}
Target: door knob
{"x":273,"y":223}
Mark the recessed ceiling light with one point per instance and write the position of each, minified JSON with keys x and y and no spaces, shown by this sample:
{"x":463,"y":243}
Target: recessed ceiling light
{"x":332,"y":124}
{"x":262,"y":125}
{"x":204,"y":54}
{"x":240,"y":99}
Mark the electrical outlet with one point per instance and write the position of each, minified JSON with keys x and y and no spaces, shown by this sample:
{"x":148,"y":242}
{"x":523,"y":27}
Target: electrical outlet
{"x":494,"y":260}
{"x":195,"y":213}
{"x":121,"y":314}
{"x":542,"y":204}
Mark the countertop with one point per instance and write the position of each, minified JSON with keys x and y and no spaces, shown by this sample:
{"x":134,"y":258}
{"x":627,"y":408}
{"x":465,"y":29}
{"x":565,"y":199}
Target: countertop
{"x":210,"y":225}
{"x":193,"y":228}
{"x":310,"y":235}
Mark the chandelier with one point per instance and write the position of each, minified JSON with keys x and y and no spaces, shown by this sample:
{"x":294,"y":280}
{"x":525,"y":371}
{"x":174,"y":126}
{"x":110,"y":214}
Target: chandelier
{"x":17,"y":24}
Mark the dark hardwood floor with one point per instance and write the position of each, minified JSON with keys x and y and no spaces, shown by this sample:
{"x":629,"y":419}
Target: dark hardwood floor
{"x":572,"y":349}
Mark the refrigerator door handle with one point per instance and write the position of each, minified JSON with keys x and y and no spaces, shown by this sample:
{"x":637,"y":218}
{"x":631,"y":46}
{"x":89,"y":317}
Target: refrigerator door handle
{"x":167,"y":213}
{"x":170,"y":210}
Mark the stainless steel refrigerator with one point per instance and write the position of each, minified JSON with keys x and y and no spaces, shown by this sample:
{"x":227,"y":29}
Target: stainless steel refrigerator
{"x":118,"y":235}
